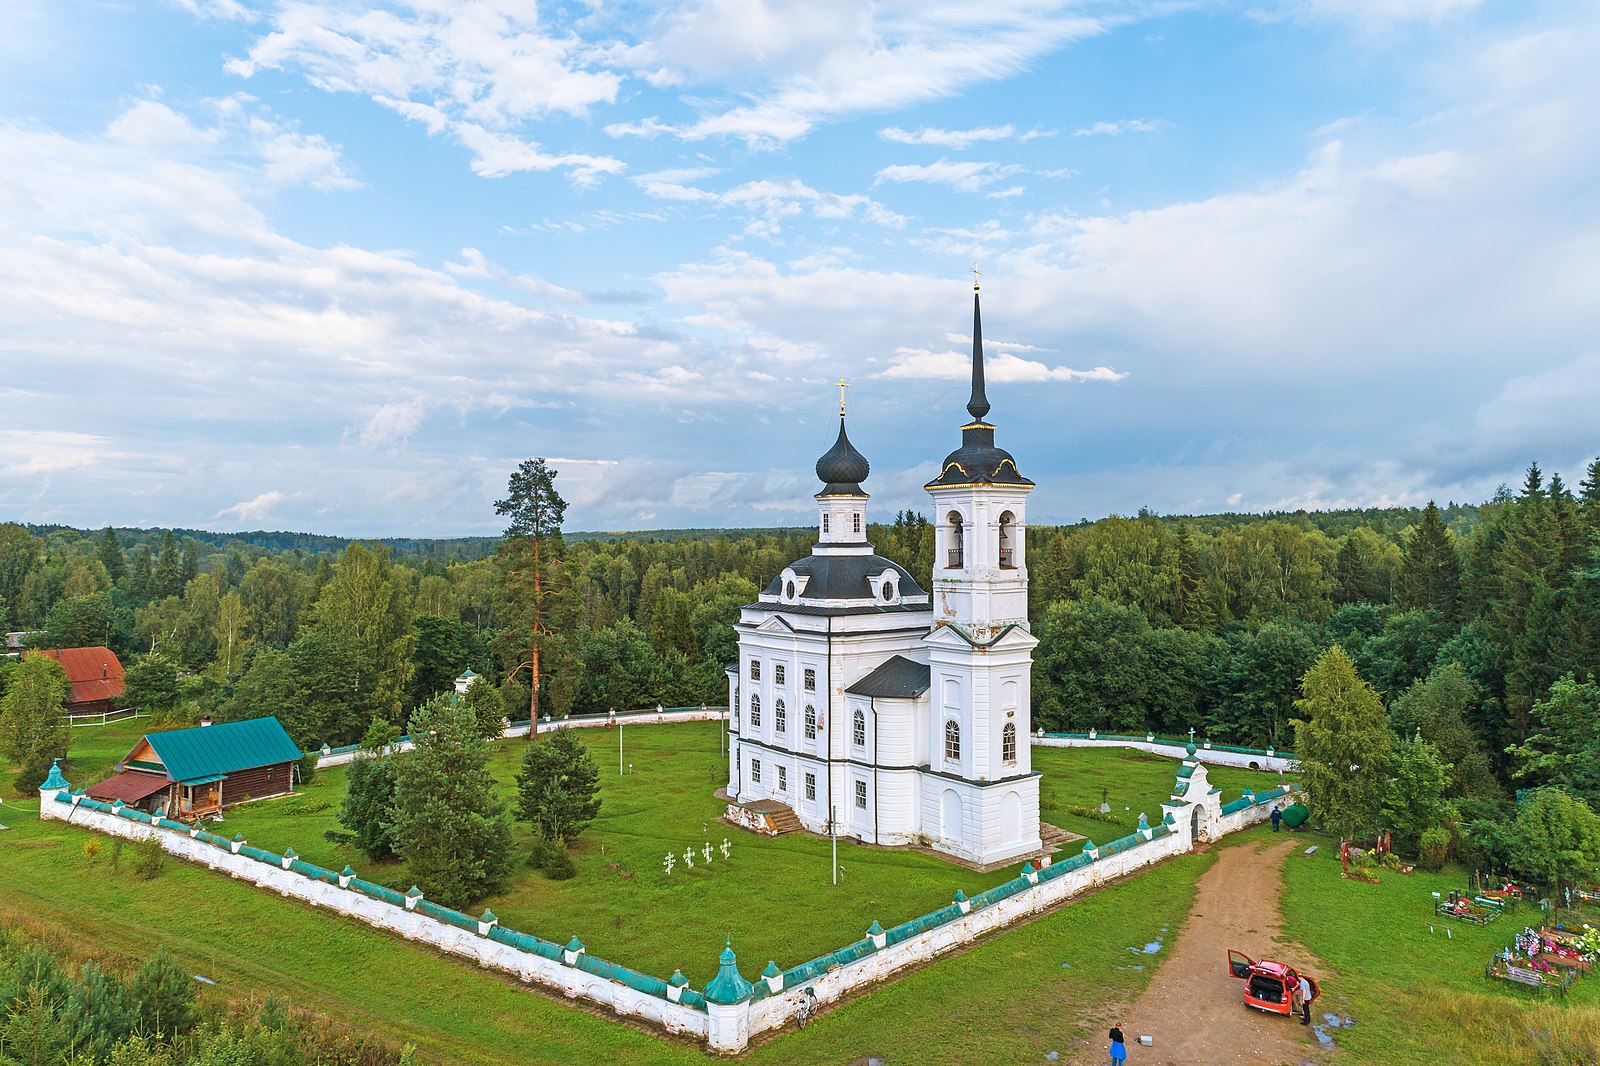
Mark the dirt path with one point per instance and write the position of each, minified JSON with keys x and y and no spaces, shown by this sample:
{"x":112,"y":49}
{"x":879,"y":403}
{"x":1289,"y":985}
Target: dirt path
{"x":1193,"y":1008}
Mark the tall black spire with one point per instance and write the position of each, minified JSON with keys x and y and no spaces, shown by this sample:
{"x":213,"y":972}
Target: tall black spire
{"x":978,"y":406}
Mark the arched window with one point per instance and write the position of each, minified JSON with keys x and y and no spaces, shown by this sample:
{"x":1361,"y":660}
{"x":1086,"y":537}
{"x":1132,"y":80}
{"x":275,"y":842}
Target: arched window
{"x":956,"y":538}
{"x":811,"y":722}
{"x":1008,"y":541}
{"x":781,"y":717}
{"x":1008,"y":743}
{"x":755,"y":710}
{"x":952,"y":741}
{"x":858,"y":730}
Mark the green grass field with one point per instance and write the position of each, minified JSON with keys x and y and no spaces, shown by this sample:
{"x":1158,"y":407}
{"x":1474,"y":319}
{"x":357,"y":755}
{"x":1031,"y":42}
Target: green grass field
{"x":626,"y":908}
{"x":1420,"y":996}
{"x":1041,"y":987}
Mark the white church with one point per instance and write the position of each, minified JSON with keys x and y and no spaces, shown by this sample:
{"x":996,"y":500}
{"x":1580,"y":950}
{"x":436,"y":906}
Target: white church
{"x":859,"y":699}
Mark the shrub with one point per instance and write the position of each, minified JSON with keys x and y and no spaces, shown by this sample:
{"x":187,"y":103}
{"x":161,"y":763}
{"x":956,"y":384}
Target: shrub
{"x":116,"y":852}
{"x":558,"y":865}
{"x":1435,"y":847}
{"x":149,"y":859}
{"x":91,"y":848}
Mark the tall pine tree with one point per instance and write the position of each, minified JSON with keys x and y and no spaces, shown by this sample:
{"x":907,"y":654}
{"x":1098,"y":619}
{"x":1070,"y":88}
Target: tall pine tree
{"x":1430,"y":573}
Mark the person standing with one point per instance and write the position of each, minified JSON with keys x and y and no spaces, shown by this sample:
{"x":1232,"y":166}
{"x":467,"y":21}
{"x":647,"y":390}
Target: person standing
{"x":1119,"y":1048}
{"x":1277,"y":816}
{"x":1305,"y":1000}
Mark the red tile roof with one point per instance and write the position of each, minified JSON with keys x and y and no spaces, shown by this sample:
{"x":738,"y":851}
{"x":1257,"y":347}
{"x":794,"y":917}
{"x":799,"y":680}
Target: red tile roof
{"x":130,"y":786}
{"x":95,"y":673}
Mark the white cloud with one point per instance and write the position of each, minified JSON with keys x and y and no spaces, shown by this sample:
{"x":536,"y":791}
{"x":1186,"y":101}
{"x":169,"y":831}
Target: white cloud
{"x":957,"y":139}
{"x":392,"y":423}
{"x":253,"y":510}
{"x":477,"y":70}
{"x":1117,"y":129}
{"x":802,"y":62}
{"x":32,"y":453}
{"x":1000,"y":366}
{"x":964,"y":177}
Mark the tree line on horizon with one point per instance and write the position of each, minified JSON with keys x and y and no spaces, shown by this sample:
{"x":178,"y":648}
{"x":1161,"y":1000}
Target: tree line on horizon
{"x":1463,"y":618}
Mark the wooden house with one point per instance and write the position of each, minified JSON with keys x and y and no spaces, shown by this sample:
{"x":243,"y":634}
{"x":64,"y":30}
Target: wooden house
{"x":95,"y":675}
{"x":189,"y":773}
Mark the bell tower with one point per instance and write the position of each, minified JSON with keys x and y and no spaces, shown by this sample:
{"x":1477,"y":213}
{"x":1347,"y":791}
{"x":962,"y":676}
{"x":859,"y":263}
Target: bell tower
{"x":980,"y":649}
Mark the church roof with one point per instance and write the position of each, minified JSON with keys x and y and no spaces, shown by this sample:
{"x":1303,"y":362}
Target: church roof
{"x":978,"y":461}
{"x":898,"y":678}
{"x":842,"y":468}
{"x":845,"y":577}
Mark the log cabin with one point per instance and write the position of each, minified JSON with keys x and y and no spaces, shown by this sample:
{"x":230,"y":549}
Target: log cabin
{"x":191,"y":773}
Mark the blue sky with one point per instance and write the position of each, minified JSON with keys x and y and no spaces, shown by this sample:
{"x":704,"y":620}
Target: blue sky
{"x":338,"y":267}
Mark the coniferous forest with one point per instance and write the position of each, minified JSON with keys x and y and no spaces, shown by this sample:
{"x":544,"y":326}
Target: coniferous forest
{"x":1478,"y":625}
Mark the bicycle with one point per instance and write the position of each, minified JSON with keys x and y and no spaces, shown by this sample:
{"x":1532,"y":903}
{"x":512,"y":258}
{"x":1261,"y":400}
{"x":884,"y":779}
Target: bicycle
{"x":809,"y":1007}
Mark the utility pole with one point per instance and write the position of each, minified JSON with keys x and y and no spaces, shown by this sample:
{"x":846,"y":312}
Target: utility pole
{"x":833,"y":831}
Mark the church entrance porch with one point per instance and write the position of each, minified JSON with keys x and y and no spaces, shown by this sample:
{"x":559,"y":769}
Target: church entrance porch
{"x":767,"y":817}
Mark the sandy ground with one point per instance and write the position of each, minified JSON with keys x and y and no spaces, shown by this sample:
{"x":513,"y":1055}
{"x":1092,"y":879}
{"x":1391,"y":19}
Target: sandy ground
{"x":1192,"y":1008}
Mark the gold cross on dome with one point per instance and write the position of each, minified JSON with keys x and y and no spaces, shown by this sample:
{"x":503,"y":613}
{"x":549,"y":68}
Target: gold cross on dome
{"x":843,"y":384}
{"x":976,"y":274}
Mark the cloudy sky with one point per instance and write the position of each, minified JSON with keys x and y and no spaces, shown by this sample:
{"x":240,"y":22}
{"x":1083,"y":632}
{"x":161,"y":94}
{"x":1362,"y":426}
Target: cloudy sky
{"x":338,"y":267}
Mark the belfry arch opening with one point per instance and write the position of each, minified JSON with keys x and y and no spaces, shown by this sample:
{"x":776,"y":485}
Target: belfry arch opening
{"x":1010,"y":541}
{"x":957,"y":558}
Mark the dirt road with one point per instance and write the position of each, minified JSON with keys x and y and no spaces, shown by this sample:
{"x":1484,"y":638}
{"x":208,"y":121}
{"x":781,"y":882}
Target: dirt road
{"x":1193,"y":1008}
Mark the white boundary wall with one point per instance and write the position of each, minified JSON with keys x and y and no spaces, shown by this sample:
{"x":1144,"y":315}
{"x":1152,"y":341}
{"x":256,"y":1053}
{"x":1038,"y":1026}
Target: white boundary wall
{"x":726,"y":1028}
{"x":1212,"y":756}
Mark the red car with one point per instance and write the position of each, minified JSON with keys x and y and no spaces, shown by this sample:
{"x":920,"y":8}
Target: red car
{"x":1268,"y":985}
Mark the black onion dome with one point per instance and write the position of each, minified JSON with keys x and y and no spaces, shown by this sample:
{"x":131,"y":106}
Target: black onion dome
{"x":842,"y":468}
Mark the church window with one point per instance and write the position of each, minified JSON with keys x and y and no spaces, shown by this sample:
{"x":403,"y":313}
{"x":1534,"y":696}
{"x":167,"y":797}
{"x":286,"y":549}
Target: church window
{"x":777,"y":674}
{"x":781,"y":717}
{"x":952,"y":741}
{"x":788,"y":591}
{"x":755,"y":669}
{"x":825,"y":517}
{"x":888,"y":590}
{"x":861,"y":794}
{"x":956,"y":537}
{"x":858,"y":730}
{"x":857,"y":522}
{"x":811,"y":722}
{"x":811,"y":680}
{"x":1008,"y":743}
{"x":811,"y":786}
{"x":1008,"y":539}
{"x":755,"y":770}
{"x":783,"y":779}
{"x":755,"y":710}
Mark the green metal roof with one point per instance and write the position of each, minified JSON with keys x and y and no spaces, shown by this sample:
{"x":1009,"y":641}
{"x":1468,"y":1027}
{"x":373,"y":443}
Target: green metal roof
{"x":208,"y":751}
{"x":203,"y":779}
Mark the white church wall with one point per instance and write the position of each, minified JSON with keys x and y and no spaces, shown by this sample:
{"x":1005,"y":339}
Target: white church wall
{"x":1247,"y":758}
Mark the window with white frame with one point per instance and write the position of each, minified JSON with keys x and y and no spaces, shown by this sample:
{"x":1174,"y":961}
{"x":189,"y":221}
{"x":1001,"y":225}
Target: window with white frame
{"x":857,"y":522}
{"x":858,"y":730}
{"x":755,"y":710}
{"x":811,"y":680}
{"x":755,"y":669}
{"x":861,"y":795}
{"x":825,"y":521}
{"x":755,"y":769}
{"x":952,"y":742}
{"x":777,"y":674}
{"x":811,"y":722}
{"x":1008,"y":743}
{"x":781,"y":717}
{"x":811,"y":786}
{"x":783,"y":779}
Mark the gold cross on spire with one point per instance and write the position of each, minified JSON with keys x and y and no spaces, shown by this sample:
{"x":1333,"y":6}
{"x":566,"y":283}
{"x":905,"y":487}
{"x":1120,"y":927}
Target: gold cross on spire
{"x":976,"y":274}
{"x":843,"y":384}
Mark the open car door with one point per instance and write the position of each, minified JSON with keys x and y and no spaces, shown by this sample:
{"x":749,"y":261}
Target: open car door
{"x":1316,"y":989}
{"x":1239,"y":963}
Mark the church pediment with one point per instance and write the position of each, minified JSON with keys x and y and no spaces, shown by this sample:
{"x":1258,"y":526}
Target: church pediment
{"x":775,"y":624}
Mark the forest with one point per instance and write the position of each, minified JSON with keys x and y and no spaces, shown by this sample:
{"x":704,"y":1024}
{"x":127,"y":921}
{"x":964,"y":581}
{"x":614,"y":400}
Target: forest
{"x":1478,"y":625}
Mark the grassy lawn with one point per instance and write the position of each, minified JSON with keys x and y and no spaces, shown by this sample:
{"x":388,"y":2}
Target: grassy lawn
{"x":773,"y":897}
{"x":1042,"y":987}
{"x":1418,"y":996}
